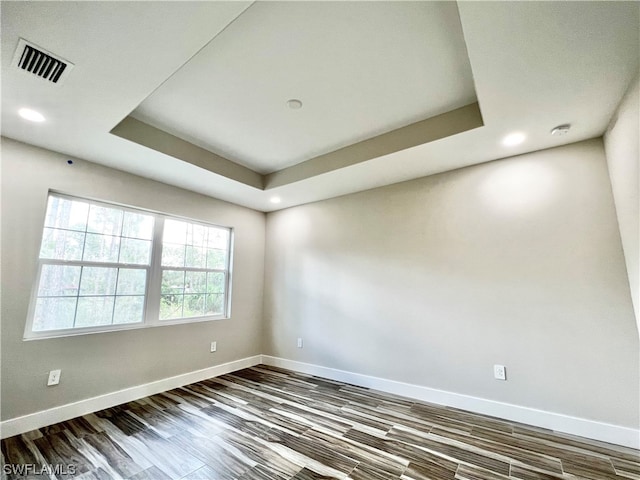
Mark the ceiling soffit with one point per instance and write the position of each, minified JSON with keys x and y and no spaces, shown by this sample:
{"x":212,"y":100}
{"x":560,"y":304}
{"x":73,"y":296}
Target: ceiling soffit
{"x":429,"y":130}
{"x":535,"y":65}
{"x":368,"y":89}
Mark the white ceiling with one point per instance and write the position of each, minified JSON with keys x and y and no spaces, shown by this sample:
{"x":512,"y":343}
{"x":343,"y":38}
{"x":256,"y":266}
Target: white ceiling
{"x":535,"y":65}
{"x":357,"y":74}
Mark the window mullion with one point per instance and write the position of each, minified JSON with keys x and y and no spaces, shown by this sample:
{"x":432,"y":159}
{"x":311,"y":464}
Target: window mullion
{"x":154,"y":280}
{"x":54,"y":316}
{"x":80,"y":263}
{"x":195,"y":269}
{"x":228,"y":274}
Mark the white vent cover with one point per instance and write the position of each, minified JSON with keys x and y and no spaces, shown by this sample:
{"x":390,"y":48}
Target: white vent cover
{"x":39,"y":62}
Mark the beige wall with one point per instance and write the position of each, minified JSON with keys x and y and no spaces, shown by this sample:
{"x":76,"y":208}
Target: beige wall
{"x":429,"y":282}
{"x":432,"y":281}
{"x":101,"y":363}
{"x":622,"y":145}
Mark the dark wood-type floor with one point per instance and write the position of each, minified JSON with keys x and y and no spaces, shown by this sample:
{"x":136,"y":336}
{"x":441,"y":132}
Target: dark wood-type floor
{"x":268,"y":423}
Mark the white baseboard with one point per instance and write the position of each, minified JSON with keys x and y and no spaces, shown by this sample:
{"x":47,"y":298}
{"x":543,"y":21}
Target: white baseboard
{"x":18,"y":425}
{"x":582,"y":427}
{"x":605,"y":432}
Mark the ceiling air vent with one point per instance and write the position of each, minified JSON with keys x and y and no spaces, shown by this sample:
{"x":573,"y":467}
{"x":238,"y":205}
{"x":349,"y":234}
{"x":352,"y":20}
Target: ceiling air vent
{"x":35,"y":60}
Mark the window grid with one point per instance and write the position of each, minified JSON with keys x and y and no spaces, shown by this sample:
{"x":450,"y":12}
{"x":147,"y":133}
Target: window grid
{"x":111,"y":226}
{"x":84,"y":246}
{"x":190,"y":277}
{"x":116,"y":291}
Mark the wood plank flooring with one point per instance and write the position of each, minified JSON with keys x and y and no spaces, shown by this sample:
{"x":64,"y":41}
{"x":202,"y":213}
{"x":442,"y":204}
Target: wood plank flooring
{"x":265,"y":423}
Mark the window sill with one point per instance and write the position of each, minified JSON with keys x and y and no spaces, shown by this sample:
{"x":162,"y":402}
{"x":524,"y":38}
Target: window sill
{"x":125,"y":327}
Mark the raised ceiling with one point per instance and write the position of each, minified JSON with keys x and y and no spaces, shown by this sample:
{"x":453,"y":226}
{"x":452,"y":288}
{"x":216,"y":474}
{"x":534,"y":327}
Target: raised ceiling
{"x":357,"y":74}
{"x":193,"y":93}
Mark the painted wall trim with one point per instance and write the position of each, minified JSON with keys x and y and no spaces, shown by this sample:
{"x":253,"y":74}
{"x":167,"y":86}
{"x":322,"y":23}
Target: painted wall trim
{"x":583,"y":427}
{"x":151,"y":137}
{"x":15,"y":426}
{"x":424,"y":131}
{"x":605,"y":432}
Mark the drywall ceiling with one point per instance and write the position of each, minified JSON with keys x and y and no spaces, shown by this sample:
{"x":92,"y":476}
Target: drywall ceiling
{"x":355,"y":72}
{"x":193,"y":93}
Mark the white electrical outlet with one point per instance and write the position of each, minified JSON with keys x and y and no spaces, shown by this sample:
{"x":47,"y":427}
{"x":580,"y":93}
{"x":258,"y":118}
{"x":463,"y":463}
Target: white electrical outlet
{"x":500,"y":372}
{"x":214,"y":346}
{"x":54,"y":377}
{"x":299,"y":342}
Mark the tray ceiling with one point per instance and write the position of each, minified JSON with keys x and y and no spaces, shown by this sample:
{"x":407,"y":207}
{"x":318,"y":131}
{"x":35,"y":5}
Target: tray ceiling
{"x":360,"y":69}
{"x":194,"y":94}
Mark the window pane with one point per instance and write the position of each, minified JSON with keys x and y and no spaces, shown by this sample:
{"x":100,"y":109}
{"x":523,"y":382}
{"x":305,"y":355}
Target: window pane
{"x":136,"y":252}
{"x":172,"y":255}
{"x":128,"y":309}
{"x":54,"y":313}
{"x":137,"y":225}
{"x":216,"y":258}
{"x":172,"y":281}
{"x":195,"y":282}
{"x":96,"y":267}
{"x":171,"y":306}
{"x":61,"y":244}
{"x":218,"y":238}
{"x":67,"y":214}
{"x":196,"y":235}
{"x":194,"y":305}
{"x":195,"y":257}
{"x":215,"y":305}
{"x":105,"y":220}
{"x":98,"y":281}
{"x":174,"y":232}
{"x":59,"y":280}
{"x":131,"y":281}
{"x":94,"y":311}
{"x":101,"y":248}
{"x":215,"y":282}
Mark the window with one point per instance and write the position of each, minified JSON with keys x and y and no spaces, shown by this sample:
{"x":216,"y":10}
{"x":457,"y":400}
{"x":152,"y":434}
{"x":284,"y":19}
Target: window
{"x":104,"y":267}
{"x":194,"y":260}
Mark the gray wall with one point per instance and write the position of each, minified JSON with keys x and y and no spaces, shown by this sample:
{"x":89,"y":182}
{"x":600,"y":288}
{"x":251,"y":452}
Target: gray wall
{"x":105,"y":362}
{"x":432,"y":281}
{"x":428,"y":282}
{"x":622,"y":144}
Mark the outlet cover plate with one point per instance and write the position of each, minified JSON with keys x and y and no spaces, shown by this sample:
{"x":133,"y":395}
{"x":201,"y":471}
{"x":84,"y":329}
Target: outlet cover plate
{"x":500,"y":372}
{"x":54,"y":377}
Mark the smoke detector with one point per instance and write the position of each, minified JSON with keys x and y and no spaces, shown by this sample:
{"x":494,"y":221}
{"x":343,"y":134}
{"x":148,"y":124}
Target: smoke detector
{"x":294,"y":104}
{"x":561,"y":130}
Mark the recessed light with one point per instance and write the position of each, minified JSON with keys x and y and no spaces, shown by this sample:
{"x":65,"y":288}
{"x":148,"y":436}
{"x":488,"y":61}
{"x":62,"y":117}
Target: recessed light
{"x":561,"y":130}
{"x":31,"y":115}
{"x":294,"y":104}
{"x":513,"y":139}
{"x":275,"y":200}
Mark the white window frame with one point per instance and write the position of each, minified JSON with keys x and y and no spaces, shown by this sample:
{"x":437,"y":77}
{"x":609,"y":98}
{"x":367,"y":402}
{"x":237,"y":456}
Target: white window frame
{"x":152,"y":295}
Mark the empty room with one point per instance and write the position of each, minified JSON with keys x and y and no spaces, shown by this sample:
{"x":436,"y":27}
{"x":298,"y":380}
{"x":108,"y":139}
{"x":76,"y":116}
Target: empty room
{"x":320,"y":240}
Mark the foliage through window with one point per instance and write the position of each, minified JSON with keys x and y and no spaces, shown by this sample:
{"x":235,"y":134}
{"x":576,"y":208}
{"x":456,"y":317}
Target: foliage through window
{"x":105,"y":267}
{"x":194,"y":258}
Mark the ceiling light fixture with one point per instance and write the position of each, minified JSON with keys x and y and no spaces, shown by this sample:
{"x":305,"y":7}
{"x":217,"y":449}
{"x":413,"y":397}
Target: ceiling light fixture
{"x":513,"y":139}
{"x":275,"y":200}
{"x":561,"y":130}
{"x":294,"y":104}
{"x":31,"y":115}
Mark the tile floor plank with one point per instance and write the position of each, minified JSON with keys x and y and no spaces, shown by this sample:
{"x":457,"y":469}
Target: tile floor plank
{"x":267,"y":423}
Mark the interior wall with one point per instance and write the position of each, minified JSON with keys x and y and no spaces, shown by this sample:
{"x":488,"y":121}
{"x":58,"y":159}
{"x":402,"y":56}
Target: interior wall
{"x":433,"y":281}
{"x":622,"y":146}
{"x":101,"y":363}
